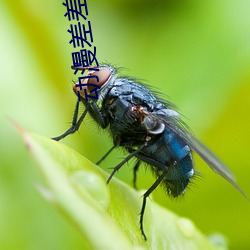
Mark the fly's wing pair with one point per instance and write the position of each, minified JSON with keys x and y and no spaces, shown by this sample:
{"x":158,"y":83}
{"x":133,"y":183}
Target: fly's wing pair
{"x":171,"y":119}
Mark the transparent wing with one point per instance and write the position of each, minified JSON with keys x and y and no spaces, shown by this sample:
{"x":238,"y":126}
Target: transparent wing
{"x":175,"y":124}
{"x":208,"y":156}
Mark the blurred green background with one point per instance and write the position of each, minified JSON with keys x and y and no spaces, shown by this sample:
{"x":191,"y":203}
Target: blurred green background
{"x":195,"y":52}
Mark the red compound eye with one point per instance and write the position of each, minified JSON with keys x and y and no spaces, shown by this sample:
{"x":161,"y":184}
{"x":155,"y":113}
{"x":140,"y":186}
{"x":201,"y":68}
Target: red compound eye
{"x":103,"y":75}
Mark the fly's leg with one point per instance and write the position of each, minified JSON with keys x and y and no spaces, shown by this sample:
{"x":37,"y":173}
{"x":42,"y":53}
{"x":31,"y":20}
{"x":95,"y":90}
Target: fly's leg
{"x":99,"y":116}
{"x":145,"y":196}
{"x":75,"y":124}
{"x":124,"y":161}
{"x":105,"y":155}
{"x":136,"y":167}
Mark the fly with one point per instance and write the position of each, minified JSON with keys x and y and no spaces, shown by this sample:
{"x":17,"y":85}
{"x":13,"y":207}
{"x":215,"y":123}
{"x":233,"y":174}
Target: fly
{"x":149,"y":128}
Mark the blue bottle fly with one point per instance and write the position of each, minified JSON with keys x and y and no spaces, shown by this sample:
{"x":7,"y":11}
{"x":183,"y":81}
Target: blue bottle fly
{"x":148,"y":127}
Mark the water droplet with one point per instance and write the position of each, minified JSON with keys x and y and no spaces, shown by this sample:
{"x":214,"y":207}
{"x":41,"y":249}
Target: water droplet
{"x":94,"y":185}
{"x":187,"y":227}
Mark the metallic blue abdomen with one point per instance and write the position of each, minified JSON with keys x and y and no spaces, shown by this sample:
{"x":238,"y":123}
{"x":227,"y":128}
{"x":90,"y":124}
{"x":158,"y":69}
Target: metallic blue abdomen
{"x":168,"y":153}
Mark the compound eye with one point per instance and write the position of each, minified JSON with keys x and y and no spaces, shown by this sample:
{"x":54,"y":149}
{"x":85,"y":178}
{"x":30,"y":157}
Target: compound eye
{"x":103,"y":75}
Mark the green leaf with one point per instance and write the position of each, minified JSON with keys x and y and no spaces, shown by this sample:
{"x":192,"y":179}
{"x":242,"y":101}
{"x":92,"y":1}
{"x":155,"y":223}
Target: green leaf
{"x":106,"y":215}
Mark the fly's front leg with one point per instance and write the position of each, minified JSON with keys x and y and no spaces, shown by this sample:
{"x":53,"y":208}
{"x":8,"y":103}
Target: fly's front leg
{"x":97,"y":114}
{"x":91,"y":107}
{"x":75,"y":124}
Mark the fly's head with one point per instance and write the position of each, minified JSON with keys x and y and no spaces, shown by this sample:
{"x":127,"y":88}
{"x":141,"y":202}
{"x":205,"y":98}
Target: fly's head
{"x":98,"y":78}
